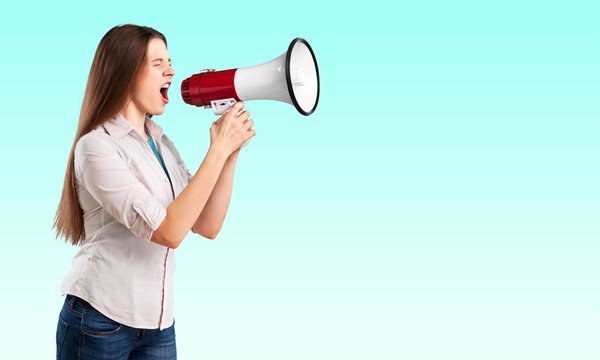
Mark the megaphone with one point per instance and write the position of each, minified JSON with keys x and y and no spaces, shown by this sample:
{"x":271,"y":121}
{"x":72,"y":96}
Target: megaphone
{"x":292,"y":78}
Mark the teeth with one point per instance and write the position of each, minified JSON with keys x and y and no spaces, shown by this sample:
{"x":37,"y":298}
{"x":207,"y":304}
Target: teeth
{"x":165,"y":86}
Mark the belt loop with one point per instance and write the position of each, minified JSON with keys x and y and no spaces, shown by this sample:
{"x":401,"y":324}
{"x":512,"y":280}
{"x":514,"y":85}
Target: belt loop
{"x":71,"y":300}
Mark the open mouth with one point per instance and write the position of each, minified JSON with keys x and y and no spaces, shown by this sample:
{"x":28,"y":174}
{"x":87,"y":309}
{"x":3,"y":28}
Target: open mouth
{"x":164,"y":92}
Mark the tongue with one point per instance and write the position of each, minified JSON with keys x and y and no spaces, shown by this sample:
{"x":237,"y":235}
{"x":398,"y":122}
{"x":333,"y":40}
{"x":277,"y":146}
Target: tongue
{"x":165,"y":93}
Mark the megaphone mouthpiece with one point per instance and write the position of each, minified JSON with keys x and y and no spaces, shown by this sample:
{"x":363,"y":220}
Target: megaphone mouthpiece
{"x":200,"y":89}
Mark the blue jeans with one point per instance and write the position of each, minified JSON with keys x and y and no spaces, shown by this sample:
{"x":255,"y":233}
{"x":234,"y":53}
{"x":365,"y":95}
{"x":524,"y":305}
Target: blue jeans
{"x":84,"y":333}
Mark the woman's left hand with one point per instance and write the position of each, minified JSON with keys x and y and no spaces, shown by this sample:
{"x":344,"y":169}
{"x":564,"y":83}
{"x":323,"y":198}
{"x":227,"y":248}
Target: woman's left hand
{"x":217,"y":124}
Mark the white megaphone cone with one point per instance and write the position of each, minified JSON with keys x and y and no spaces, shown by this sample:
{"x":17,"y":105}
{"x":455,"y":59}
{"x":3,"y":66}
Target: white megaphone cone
{"x":292,"y":78}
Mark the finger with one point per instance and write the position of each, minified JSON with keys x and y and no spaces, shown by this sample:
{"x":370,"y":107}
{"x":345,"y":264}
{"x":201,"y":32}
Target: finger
{"x":236,"y":108}
{"x":241,"y":113}
{"x":248,"y":124}
{"x":245,"y":115}
{"x":231,"y":113}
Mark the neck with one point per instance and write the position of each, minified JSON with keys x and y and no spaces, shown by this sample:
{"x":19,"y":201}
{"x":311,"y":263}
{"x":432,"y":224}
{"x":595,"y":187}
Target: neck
{"x":136,"y":118}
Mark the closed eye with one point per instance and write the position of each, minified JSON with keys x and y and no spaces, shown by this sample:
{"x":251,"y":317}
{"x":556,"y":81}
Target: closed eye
{"x":160,"y":60}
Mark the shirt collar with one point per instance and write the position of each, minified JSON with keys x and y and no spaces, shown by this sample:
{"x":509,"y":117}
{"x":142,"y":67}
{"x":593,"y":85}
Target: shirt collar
{"x":119,"y":127}
{"x":153,"y":129}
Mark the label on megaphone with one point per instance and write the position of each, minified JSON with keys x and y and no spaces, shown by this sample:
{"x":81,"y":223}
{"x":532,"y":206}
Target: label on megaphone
{"x":220,"y":107}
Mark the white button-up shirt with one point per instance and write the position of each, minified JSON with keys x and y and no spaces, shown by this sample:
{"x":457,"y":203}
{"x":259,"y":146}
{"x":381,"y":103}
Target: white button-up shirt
{"x":124,"y":192}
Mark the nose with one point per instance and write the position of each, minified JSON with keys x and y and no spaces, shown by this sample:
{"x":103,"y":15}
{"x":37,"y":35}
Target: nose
{"x":169,"y":72}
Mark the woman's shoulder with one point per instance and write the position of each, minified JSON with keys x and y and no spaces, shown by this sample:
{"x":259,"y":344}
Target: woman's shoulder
{"x":95,"y":140}
{"x":97,"y":143}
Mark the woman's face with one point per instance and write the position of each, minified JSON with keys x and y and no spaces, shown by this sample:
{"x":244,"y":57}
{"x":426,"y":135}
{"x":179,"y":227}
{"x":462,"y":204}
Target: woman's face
{"x":150,"y":92}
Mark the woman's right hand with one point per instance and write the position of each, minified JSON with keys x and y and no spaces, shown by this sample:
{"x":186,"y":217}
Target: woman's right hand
{"x":231,"y":130}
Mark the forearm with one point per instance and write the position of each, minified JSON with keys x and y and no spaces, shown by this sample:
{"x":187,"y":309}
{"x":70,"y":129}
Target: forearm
{"x":183,"y":212}
{"x":212,"y":217}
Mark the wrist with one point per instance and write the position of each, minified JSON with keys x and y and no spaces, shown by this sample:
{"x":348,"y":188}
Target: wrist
{"x":234,"y":154}
{"x":218,"y":153}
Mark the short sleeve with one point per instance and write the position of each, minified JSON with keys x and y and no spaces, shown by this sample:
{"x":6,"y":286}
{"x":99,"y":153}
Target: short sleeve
{"x":103,"y":172}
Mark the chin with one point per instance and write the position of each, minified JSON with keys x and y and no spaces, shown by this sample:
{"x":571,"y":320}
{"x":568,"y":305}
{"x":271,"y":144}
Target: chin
{"x":157,"y":111}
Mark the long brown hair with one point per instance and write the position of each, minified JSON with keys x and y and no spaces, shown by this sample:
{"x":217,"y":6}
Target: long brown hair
{"x":117,"y":62}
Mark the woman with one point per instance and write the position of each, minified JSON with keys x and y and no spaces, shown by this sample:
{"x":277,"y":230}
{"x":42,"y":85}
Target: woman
{"x":128,"y":200}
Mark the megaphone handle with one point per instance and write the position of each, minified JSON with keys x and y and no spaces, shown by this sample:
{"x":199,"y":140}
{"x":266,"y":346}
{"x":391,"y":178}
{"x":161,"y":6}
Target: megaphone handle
{"x":221,"y":106}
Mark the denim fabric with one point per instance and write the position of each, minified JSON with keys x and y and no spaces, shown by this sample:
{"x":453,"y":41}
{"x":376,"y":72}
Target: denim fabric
{"x":84,"y":333}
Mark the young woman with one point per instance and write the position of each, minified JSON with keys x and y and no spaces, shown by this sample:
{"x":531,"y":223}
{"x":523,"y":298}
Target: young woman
{"x":128,"y":200}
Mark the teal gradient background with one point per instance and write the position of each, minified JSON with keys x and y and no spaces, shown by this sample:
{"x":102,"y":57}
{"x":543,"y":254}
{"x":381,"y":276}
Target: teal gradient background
{"x":443,"y":201}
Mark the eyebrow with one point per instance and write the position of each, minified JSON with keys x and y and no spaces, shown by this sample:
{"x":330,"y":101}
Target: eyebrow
{"x":159,"y":59}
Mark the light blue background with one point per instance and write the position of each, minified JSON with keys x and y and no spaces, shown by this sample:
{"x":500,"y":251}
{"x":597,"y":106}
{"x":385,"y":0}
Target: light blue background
{"x":441,"y":203}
